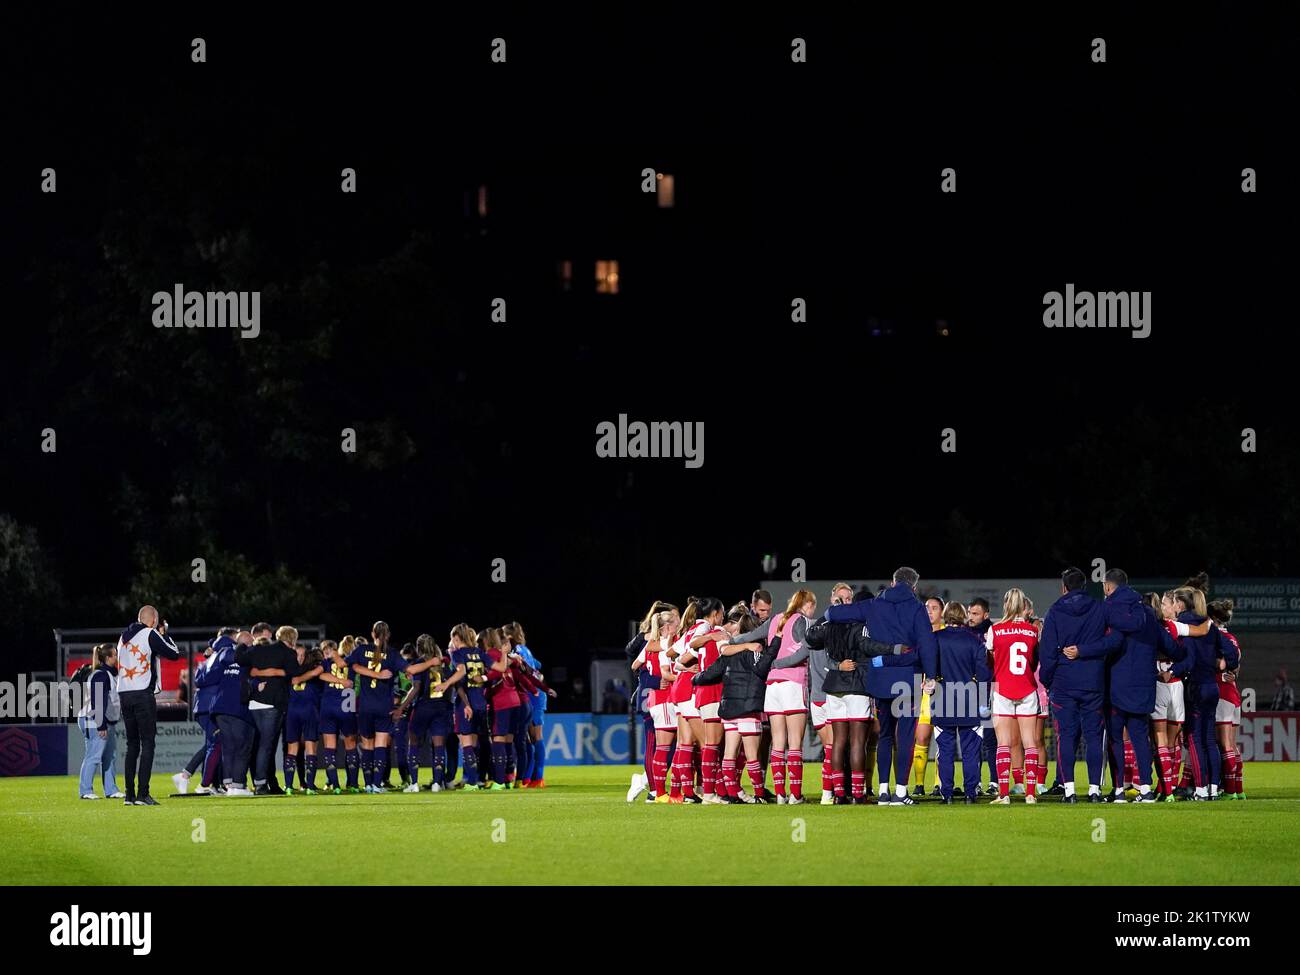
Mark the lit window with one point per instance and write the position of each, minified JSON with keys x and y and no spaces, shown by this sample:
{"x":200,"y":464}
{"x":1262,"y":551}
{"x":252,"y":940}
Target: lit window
{"x":664,"y":190}
{"x":482,"y":201}
{"x":566,"y":275}
{"x":607,"y":277}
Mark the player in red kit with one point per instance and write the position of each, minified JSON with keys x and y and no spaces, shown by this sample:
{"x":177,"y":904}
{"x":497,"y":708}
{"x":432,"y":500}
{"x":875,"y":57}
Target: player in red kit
{"x":1014,"y":643}
{"x":706,"y":646}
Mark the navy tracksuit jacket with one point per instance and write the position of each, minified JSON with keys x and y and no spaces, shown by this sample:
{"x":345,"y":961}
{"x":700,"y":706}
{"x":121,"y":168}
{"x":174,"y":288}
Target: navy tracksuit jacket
{"x":1202,"y":694}
{"x":1132,"y":642}
{"x":1076,"y":688}
{"x":961,"y":672}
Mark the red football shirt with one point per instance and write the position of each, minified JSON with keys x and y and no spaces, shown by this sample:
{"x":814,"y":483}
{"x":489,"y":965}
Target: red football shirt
{"x":1015,"y":657}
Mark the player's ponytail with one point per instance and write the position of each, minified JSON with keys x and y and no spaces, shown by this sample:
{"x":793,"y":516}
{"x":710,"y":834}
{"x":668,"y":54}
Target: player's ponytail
{"x":1200,"y":581}
{"x":1221,"y":611}
{"x":692,"y":613}
{"x":380,"y":633}
{"x":795,"y":606}
{"x":1014,"y":604}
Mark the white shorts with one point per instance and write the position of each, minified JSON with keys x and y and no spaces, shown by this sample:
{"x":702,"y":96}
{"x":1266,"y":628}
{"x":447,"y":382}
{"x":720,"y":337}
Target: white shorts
{"x":665,"y":716}
{"x":1024,"y":707}
{"x":848,"y":707}
{"x":709,"y":712}
{"x":818,"y":715}
{"x":687,"y":708}
{"x":785,"y":697}
{"x":1169,"y":702}
{"x":743,"y":726}
{"x":1227,"y":713}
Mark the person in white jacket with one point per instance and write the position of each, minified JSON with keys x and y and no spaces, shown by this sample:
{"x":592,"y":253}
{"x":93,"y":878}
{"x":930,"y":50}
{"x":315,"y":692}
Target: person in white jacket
{"x":138,"y":650}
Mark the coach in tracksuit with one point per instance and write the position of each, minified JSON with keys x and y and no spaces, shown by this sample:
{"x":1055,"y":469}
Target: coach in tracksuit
{"x":895,"y":616}
{"x":961,"y":674}
{"x":1133,"y":639}
{"x":138,"y":672}
{"x":230,"y":712}
{"x":207,"y":680}
{"x":1076,"y":686}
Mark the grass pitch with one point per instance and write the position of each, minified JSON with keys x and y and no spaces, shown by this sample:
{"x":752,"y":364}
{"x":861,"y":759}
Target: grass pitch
{"x":580,"y":830}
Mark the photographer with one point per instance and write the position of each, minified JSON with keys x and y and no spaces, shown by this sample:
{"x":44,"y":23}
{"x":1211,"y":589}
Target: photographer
{"x":138,"y":650}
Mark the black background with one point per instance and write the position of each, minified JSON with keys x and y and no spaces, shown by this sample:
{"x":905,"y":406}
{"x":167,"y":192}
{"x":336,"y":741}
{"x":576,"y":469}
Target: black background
{"x":820,"y":180}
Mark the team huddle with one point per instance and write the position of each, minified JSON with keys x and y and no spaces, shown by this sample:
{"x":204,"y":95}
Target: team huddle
{"x":485,"y":693}
{"x":1147,"y":685}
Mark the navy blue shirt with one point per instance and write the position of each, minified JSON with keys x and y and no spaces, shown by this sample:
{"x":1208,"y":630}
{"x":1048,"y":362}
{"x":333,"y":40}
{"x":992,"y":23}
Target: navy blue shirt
{"x":476,"y":674}
{"x":373,"y":693}
{"x":425,"y":695}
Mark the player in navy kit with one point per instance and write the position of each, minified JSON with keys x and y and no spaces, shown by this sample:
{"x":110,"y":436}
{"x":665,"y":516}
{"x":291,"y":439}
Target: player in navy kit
{"x":377,"y":665}
{"x":338,"y":712}
{"x":302,"y":720}
{"x":430,"y":702}
{"x":470,"y":674}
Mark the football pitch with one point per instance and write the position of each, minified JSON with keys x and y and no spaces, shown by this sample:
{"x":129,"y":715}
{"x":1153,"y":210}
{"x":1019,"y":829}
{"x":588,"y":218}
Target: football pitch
{"x":580,"y":830}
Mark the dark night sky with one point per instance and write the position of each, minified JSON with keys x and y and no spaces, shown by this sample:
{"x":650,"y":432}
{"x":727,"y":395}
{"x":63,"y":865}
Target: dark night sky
{"x":818,"y":181}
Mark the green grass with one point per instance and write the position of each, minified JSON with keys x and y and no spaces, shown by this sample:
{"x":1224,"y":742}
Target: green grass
{"x":581,"y":831}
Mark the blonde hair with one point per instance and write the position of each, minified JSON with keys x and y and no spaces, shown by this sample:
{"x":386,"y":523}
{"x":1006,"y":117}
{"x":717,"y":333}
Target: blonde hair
{"x":102,"y":652}
{"x":954,"y":614}
{"x":427,"y":647}
{"x":465,"y":633}
{"x":325,"y":646}
{"x":287,"y":634}
{"x":1015,"y":603}
{"x":514,"y":633}
{"x":491,"y":638}
{"x":347,"y":645}
{"x":657,"y":623}
{"x":841,"y":585}
{"x":658,"y":606}
{"x":1193,"y":599}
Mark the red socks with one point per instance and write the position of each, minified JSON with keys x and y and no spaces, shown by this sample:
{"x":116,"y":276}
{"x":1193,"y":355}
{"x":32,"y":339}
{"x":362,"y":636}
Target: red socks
{"x":730,"y":780}
{"x":859,"y":785}
{"x":660,"y":767}
{"x":755,"y":771}
{"x":1003,"y":765}
{"x":1232,"y":772}
{"x":1166,"y":761}
{"x":684,"y":771}
{"x":709,"y":767}
{"x":776,"y":762}
{"x":794,"y":772}
{"x":1031,"y":771}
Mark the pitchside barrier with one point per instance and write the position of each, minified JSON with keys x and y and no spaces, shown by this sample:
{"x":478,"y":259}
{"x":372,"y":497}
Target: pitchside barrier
{"x":571,"y":739}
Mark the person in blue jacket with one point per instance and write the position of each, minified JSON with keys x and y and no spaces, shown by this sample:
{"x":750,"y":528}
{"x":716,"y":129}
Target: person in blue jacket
{"x":895,"y":616}
{"x":1076,"y":685}
{"x":959,"y":664}
{"x":1133,"y":639}
{"x":206,"y":685}
{"x":230,"y":711}
{"x":1203,"y":653}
